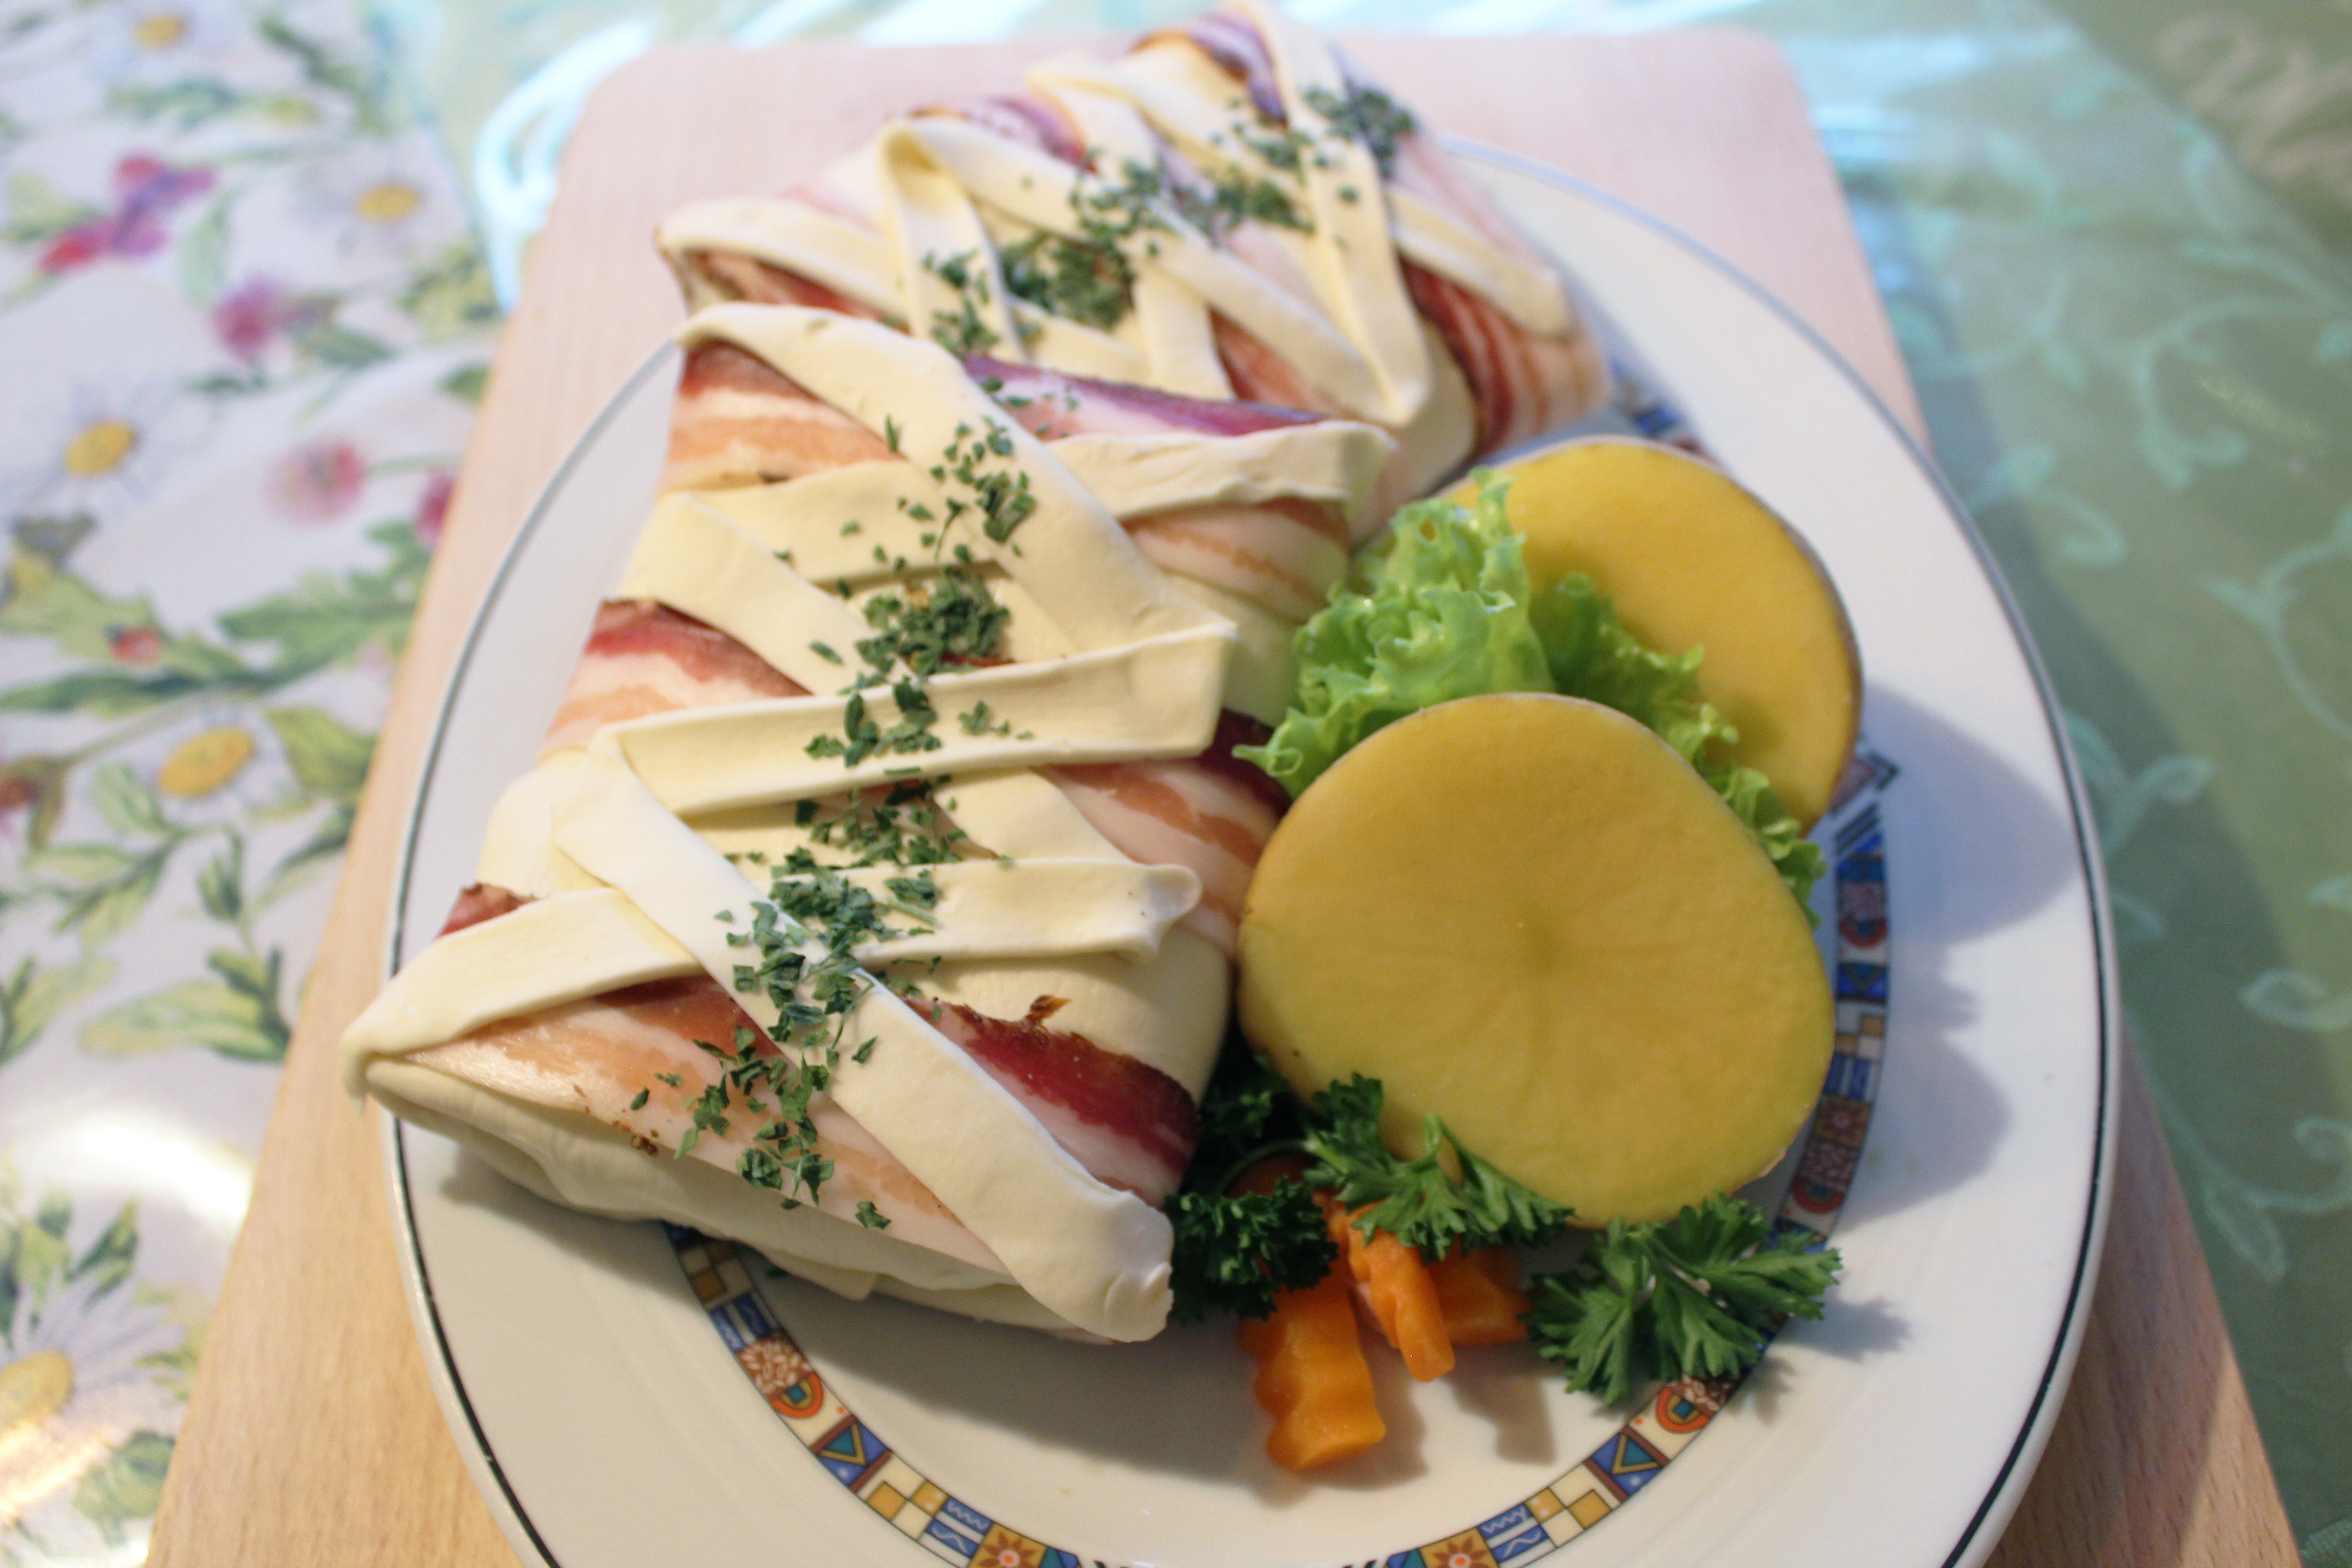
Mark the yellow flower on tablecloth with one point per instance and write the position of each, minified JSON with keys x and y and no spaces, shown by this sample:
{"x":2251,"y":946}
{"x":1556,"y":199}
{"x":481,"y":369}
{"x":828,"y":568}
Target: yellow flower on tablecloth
{"x":32,"y":1389}
{"x":388,"y":202}
{"x":205,"y":761}
{"x":159,"y":31}
{"x":99,"y":447}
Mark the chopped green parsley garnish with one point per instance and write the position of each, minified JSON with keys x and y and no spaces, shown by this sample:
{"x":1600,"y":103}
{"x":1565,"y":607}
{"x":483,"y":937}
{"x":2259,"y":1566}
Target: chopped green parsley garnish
{"x":1368,"y":115}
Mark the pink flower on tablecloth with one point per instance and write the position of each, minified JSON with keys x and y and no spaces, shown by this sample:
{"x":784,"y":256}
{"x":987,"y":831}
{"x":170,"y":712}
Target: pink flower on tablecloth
{"x":433,"y":508}
{"x":319,"y":482}
{"x":257,"y":311}
{"x":136,"y":645}
{"x":147,"y":190}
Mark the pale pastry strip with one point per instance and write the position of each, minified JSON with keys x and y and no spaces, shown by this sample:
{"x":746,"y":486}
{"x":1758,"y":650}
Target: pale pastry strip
{"x":1157,"y":698}
{"x":1031,"y":908}
{"x":1528,"y":294}
{"x":1070,"y":554}
{"x":692,"y":558}
{"x":1335,"y":462}
{"x":574,"y":945}
{"x":1095,"y":1256}
{"x":1075,"y":348}
{"x":933,"y":225}
{"x":1357,"y":274}
{"x":548,"y":952}
{"x":1018,"y":813}
{"x":793,"y":235}
{"x":518,"y":850}
{"x":1261,"y":677}
{"x":1170,"y":321}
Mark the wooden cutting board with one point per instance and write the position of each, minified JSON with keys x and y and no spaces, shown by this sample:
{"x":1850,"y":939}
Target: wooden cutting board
{"x":313,"y":1437}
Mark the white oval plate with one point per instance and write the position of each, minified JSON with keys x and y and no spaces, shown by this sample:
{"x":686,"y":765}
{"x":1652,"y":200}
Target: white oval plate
{"x":608,"y":1422}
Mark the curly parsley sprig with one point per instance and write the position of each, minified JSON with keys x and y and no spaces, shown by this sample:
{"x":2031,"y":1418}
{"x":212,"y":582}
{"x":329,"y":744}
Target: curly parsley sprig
{"x":1695,"y":1296}
{"x":1419,"y":1201}
{"x":1235,"y":1250}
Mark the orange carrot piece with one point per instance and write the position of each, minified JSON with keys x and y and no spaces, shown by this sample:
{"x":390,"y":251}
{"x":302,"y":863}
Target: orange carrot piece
{"x":1478,"y":1292}
{"x":1312,"y":1377}
{"x":1393,"y":1282}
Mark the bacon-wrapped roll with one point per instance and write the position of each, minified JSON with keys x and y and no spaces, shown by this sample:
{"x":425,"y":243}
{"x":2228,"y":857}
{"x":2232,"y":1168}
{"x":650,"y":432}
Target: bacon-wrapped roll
{"x":1226,"y":211}
{"x":967,"y":640}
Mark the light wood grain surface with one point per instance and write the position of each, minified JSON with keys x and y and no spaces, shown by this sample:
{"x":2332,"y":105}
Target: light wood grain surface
{"x":313,"y":1438}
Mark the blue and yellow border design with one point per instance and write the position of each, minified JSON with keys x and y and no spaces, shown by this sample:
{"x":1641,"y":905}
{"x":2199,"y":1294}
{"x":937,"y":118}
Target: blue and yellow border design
{"x":1633,"y":1456}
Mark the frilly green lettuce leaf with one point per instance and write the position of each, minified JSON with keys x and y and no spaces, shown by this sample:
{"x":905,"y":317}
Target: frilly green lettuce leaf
{"x":1442,"y":609}
{"x":1440,"y":613}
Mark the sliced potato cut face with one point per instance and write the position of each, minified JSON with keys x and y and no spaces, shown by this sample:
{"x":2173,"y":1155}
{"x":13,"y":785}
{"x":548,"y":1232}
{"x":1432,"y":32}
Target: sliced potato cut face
{"x":1692,"y":558}
{"x":1527,"y":914}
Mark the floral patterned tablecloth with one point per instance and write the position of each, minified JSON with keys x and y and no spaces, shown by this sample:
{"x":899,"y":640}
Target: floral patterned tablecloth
{"x":241,"y":320}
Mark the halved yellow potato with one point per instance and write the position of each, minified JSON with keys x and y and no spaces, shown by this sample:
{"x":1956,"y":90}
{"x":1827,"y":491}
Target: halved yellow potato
{"x":1692,"y":558}
{"x":1527,"y":914}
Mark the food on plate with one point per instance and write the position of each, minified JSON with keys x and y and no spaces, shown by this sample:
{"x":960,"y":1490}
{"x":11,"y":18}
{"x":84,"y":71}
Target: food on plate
{"x":1227,"y":210}
{"x":1461,"y":738}
{"x":1527,"y":917}
{"x":873,"y":899}
{"x":1445,"y":607}
{"x":1276,"y":1179}
{"x":1312,"y":1377}
{"x":1691,"y":558}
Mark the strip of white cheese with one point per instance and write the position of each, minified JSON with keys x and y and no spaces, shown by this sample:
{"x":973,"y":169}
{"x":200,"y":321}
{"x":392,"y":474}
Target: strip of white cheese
{"x":518,"y":850}
{"x":937,"y":237}
{"x":1355,"y":266}
{"x":550,"y":951}
{"x":1158,"y":698}
{"x":1095,"y":1256}
{"x":560,"y":949}
{"x":692,"y":558}
{"x":583,"y":1163}
{"x":1335,"y":462}
{"x":850,"y":260}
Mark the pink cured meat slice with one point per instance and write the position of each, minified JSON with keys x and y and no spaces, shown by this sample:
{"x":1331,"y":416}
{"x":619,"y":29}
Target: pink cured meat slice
{"x":1051,"y":404}
{"x":642,"y":657}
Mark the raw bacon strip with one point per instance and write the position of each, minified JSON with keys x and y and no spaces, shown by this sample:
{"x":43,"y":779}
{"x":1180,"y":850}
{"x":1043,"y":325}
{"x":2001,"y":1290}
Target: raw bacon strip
{"x":740,"y":421}
{"x":597,"y":1056}
{"x":1049,"y":403}
{"x":715,"y":277}
{"x":1128,"y":1123}
{"x":480,"y":901}
{"x":1212,"y":814}
{"x":644,"y":657}
{"x":1232,"y":40}
{"x":1257,"y":372}
{"x":1025,"y":119}
{"x":1246,"y":548}
{"x":1521,"y":384}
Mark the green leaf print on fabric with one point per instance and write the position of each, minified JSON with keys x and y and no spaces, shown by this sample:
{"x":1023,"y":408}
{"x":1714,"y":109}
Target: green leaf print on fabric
{"x":32,"y":997}
{"x":328,"y":756}
{"x":126,"y":1487}
{"x":452,"y":298}
{"x":238,"y":1016}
